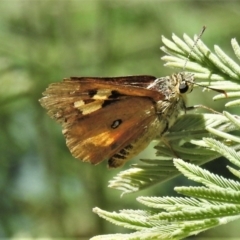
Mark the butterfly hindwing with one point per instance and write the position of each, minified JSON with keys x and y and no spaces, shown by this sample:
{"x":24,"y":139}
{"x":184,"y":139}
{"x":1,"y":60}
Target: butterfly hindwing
{"x":102,"y":134}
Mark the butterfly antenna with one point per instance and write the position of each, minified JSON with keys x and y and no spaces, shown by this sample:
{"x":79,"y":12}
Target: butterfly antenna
{"x":213,"y":89}
{"x":194,"y":45}
{"x":191,"y":50}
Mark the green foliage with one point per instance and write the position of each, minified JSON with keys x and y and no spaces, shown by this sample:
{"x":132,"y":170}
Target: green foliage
{"x":197,"y":138}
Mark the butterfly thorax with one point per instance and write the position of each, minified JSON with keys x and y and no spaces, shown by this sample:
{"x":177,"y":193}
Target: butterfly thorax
{"x":175,"y":88}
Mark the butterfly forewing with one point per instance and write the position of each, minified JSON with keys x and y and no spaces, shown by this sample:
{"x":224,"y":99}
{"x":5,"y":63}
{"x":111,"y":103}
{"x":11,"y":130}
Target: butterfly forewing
{"x":128,"y":85}
{"x":59,"y":98}
{"x":104,"y":118}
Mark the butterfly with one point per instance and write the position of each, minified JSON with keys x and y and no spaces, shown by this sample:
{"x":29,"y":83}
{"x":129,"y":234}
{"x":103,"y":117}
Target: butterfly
{"x":115,"y":118}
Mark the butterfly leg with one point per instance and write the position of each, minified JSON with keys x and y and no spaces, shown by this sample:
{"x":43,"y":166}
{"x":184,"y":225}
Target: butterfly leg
{"x":169,"y":146}
{"x":167,"y":143}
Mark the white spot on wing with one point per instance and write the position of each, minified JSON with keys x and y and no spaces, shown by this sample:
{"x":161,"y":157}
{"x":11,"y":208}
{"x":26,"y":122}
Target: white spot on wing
{"x":102,"y":94}
{"x":79,"y":104}
{"x":91,"y":107}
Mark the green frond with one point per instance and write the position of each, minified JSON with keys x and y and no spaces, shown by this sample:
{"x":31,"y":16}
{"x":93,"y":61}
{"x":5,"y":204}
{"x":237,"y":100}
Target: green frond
{"x":171,"y":232}
{"x":233,"y":118}
{"x":219,"y":196}
{"x":221,"y":134}
{"x":192,"y":42}
{"x":171,"y":47}
{"x":205,"y":177}
{"x":236,"y":47}
{"x":125,"y":219}
{"x":229,"y":152}
{"x":234,"y":171}
{"x":216,"y":62}
{"x":169,"y":203}
{"x":227,"y":61}
{"x":186,"y":48}
{"x":230,"y":95}
{"x":234,"y":103}
{"x":137,"y":213}
{"x":141,"y":176}
{"x":200,"y":213}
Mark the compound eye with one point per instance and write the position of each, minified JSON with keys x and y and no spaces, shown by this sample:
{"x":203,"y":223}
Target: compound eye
{"x":183,"y":87}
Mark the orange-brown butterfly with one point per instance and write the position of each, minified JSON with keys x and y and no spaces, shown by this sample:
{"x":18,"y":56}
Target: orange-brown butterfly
{"x":115,"y":118}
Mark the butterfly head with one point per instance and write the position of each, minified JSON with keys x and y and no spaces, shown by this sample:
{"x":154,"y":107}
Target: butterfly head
{"x":185,"y":82}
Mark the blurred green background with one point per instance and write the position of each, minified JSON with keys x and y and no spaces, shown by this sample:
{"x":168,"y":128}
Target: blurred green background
{"x":45,"y":192}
